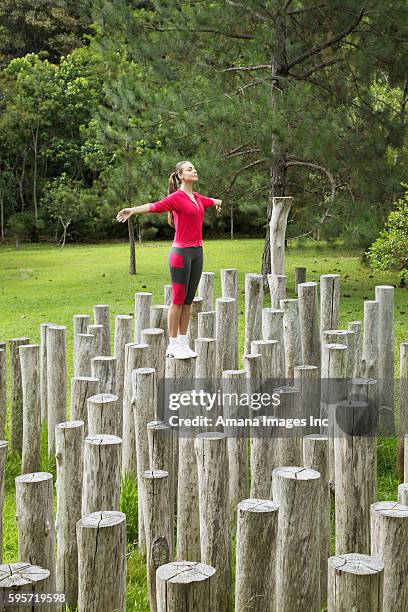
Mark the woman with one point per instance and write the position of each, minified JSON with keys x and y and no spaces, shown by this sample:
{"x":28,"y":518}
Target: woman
{"x":185,"y":209}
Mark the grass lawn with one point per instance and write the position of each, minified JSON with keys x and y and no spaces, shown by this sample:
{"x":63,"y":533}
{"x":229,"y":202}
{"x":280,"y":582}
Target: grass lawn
{"x":40,"y":283}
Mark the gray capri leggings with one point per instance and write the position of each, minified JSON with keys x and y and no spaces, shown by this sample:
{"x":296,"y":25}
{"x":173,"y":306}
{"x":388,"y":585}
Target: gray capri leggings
{"x":186,"y":265}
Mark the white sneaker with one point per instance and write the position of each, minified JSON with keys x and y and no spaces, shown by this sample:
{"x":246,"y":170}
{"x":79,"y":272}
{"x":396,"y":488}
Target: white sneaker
{"x":184,"y":343}
{"x":178,"y":351}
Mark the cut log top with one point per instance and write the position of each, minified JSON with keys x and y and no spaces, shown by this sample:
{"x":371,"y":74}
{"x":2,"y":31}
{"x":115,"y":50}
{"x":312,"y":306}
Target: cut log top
{"x":353,"y":404}
{"x":155,"y":474}
{"x":153,"y":331}
{"x":157,"y":425}
{"x":287,"y":390}
{"x":124,"y":317}
{"x":384,"y":287}
{"x":34,"y":477}
{"x":211,"y":435}
{"x":144,"y":370}
{"x":143,"y":293}
{"x":258,"y":505}
{"x":307,"y":284}
{"x":223,"y":300}
{"x":339,"y":332}
{"x":83,"y":335}
{"x":157,"y":306}
{"x":22,"y":339}
{"x":103,"y":439}
{"x":104,"y":358}
{"x":28,"y":346}
{"x":20,"y":574}
{"x":139,"y":345}
{"x":288,"y":301}
{"x":102,"y":398}
{"x":85,"y":378}
{"x":330,"y":276}
{"x":57,"y":327}
{"x":316,"y":437}
{"x":274,"y":311}
{"x":182,"y":572}
{"x":296,"y":473}
{"x":363,"y":381}
{"x":354,"y":563}
{"x":101,"y":305}
{"x":263,"y":342}
{"x":102,"y":518}
{"x":335,"y":346}
{"x":390,"y":508}
{"x":300,"y":368}
{"x":234,"y":373}
{"x":70,"y":424}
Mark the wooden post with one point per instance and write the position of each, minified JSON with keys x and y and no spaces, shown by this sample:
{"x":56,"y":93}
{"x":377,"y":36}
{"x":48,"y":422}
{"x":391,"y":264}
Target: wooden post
{"x":16,"y":412}
{"x":97,"y":332}
{"x":316,"y":457}
{"x":272,"y":329}
{"x":158,"y":319}
{"x":253,"y":309}
{"x":385,"y":334}
{"x":103,"y":414}
{"x":83,"y":353}
{"x":277,"y":228}
{"x":144,"y":407}
{"x":161,"y":452}
{"x":206,"y":359}
{"x":123,"y":335}
{"x":136,"y":356}
{"x":56,"y":381}
{"x":101,"y":317}
{"x":277,"y":288}
{"x":225,"y":334}
{"x":291,"y":336}
{"x":154,"y":337}
{"x":30,"y":381}
{"x":167,"y":294}
{"x":35,"y":521}
{"x":104,"y":367}
{"x":309,"y":323}
{"x":101,"y":538}
{"x":188,"y":522}
{"x":3,"y":391}
{"x":389,"y":527}
{"x":355,"y":583}
{"x":306,"y":378}
{"x":234,"y":382}
{"x":300,"y":277}
{"x":81,"y":322}
{"x":356,"y":328}
{"x":370,"y":342}
{"x":156,"y":511}
{"x":101,"y":476}
{"x":229,"y":288}
{"x":43,"y":370}
{"x":296,"y":490}
{"x":212,"y":468}
{"x":82,"y":387}
{"x":69,"y":442}
{"x":3,"y":459}
{"x":143,"y":303}
{"x":206,"y":324}
{"x":206,"y":290}
{"x":257,"y":528}
{"x":192,"y":330}
{"x":22,"y":579}
{"x":269,"y":362}
{"x":353,"y":476}
{"x":334,"y":390}
{"x":289,"y":443}
{"x":329,"y":301}
{"x":403,"y":397}
{"x":185,"y":586}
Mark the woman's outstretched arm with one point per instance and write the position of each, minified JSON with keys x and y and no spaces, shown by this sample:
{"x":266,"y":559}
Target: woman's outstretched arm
{"x":124,"y":214}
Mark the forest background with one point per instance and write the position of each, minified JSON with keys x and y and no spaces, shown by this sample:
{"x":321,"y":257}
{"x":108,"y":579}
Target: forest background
{"x":100,"y":99}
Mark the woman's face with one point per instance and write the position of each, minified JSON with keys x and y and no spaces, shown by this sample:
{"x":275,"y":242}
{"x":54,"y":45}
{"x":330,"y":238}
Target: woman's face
{"x":188,"y":173}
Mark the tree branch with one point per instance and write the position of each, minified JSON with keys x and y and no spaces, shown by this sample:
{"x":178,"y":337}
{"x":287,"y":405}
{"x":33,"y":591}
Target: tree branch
{"x":246,"y":68}
{"x":251,"y":165}
{"x":293,"y":161}
{"x":307,"y":74}
{"x":331,"y":41}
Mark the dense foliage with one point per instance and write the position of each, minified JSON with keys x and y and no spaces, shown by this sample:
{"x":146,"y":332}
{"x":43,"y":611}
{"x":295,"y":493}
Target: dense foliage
{"x":274,"y":98}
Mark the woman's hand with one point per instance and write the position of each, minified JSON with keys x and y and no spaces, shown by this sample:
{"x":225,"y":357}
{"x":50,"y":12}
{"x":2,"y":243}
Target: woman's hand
{"x":218,"y":206}
{"x":124,"y":214}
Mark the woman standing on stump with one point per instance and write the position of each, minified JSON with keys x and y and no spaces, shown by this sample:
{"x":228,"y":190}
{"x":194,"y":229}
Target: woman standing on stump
{"x":185,"y":212}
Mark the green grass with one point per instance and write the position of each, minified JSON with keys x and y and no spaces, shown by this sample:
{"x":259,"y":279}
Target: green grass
{"x":40,"y":283}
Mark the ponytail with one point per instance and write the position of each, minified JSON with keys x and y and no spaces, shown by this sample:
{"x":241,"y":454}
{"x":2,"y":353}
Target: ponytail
{"x":174,"y":183}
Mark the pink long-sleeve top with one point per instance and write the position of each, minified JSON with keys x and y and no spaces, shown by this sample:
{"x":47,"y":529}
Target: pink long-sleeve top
{"x":188,"y":217}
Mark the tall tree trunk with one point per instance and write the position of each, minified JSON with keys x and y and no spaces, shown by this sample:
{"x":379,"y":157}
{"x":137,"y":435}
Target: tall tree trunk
{"x":35,"y":148}
{"x":132,"y":261}
{"x":277,"y":177}
{"x":232,"y":219}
